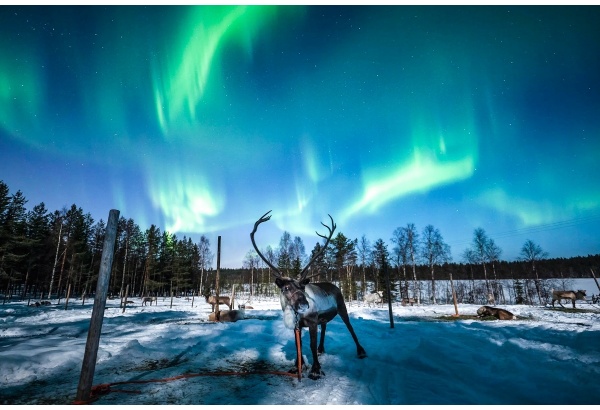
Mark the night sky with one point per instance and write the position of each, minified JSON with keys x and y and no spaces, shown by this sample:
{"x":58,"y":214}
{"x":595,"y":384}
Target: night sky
{"x":199,"y":119}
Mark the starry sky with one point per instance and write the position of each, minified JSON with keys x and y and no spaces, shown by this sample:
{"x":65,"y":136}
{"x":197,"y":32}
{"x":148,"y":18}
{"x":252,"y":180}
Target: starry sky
{"x":199,"y":119}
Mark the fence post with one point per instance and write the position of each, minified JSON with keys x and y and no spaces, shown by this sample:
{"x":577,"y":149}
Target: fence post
{"x":93,"y":340}
{"x":68,"y":294}
{"x":389,"y":294}
{"x":217,"y":312}
{"x":124,"y":301}
{"x":595,"y":280}
{"x":453,"y":296}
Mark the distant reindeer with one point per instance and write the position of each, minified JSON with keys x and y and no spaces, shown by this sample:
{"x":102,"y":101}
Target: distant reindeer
{"x":374,"y":298}
{"x":309,"y":305}
{"x":501,"y":314}
{"x":148,"y":299}
{"x":567,"y":294}
{"x":223,"y":300}
{"x":230,"y":315}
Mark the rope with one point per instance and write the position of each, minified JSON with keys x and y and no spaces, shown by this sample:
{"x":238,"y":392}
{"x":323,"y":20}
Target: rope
{"x":105,"y":388}
{"x":299,"y":352}
{"x":591,"y":304}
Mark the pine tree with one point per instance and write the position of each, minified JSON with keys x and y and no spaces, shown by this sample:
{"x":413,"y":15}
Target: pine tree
{"x":284,"y":254}
{"x":344,"y":255}
{"x":38,"y":230}
{"x":381,"y":261}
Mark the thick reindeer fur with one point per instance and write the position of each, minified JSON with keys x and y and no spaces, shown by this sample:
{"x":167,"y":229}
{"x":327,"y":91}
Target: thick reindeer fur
{"x":313,"y":305}
{"x":558,"y":295}
{"x":318,"y":301}
{"x":309,"y":305}
{"x":501,"y":314}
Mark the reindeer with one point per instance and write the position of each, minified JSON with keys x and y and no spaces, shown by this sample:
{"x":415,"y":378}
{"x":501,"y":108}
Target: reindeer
{"x":374,"y":298}
{"x":147,"y":299}
{"x":223,"y":300}
{"x":567,"y":294}
{"x":307,"y":304}
{"x":501,"y":314}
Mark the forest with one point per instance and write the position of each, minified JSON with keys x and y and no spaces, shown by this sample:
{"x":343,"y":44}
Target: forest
{"x":56,"y":254}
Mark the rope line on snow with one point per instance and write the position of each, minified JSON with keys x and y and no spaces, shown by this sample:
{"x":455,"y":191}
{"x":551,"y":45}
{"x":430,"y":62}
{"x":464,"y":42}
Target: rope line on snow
{"x":105,"y":388}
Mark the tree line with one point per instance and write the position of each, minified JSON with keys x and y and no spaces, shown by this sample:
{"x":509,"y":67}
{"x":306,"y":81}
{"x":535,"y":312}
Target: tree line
{"x":45,"y":254}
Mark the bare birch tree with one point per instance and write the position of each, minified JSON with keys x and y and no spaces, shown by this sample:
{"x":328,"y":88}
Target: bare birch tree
{"x":434,"y":251}
{"x":531,"y":253}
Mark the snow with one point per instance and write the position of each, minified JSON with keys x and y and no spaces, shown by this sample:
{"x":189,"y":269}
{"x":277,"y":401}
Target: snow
{"x":548,"y":356}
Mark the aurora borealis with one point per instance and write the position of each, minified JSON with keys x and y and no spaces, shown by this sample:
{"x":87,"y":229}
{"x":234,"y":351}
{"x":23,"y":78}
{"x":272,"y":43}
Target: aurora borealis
{"x":199,"y":119}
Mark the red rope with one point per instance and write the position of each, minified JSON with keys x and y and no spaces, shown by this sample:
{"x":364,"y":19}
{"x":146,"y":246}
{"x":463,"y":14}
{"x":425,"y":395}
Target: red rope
{"x":299,"y":352}
{"x":105,"y":388}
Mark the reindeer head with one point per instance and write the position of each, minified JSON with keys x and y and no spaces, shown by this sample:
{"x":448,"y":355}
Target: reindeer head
{"x":292,"y":294}
{"x":292,"y":289}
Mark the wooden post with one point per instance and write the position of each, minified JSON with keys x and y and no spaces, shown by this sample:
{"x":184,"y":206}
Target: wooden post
{"x":68,"y":294}
{"x":171,"y":307}
{"x":595,"y":280}
{"x":389,"y":294}
{"x":453,"y":296}
{"x":93,"y":339}
{"x":217,"y":279}
{"x":124,"y":300}
{"x":231,"y":305}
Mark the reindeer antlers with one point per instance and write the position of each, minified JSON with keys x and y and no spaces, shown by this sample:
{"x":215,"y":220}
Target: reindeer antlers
{"x":327,"y":239}
{"x":262,"y":219}
{"x":276,"y":271}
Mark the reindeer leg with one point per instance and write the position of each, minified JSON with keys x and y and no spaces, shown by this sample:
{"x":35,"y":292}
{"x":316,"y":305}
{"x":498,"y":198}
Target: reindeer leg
{"x":321,"y":348}
{"x":315,"y":371}
{"x":344,"y":315}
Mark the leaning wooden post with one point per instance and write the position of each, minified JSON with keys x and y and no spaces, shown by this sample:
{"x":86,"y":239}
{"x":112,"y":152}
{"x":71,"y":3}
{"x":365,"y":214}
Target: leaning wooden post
{"x":594,"y":276}
{"x":231,"y":305}
{"x":171,"y":307}
{"x":68,"y":294}
{"x":217,"y":279}
{"x":389,"y":294}
{"x":93,"y":340}
{"x":124,"y":301}
{"x":453,"y":296}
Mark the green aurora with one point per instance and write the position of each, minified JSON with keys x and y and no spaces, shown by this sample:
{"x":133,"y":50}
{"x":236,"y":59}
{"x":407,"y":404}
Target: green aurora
{"x":201,"y":118}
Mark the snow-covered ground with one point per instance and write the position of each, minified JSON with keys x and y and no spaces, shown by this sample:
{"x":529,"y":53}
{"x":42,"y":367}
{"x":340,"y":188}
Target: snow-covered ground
{"x":547,"y":356}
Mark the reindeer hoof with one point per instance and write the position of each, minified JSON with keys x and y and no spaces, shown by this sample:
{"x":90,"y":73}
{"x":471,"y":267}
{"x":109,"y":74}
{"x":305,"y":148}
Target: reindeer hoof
{"x":314,"y":375}
{"x":294,"y":370}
